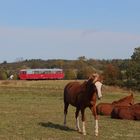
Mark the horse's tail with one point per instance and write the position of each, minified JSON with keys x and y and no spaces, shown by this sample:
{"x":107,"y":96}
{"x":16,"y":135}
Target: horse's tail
{"x":65,"y":92}
{"x":66,"y":104}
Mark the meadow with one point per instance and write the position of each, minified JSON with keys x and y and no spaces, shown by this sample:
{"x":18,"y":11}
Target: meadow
{"x":33,"y":110}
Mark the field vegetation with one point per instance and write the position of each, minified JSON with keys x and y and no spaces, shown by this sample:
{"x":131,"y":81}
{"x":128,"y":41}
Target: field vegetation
{"x":115,"y":72}
{"x":33,"y":110}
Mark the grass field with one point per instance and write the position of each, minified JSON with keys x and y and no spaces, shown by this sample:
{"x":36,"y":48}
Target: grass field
{"x":33,"y":110}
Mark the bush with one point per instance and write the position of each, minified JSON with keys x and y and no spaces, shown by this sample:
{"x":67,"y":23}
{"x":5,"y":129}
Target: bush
{"x":3,"y":75}
{"x":70,"y":74}
{"x":84,"y":73}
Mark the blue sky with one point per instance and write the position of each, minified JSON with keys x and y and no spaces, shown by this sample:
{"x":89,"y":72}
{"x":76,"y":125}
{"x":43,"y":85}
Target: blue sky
{"x":67,"y":29}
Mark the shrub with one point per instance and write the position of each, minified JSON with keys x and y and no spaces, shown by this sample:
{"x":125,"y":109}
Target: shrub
{"x":3,"y":75}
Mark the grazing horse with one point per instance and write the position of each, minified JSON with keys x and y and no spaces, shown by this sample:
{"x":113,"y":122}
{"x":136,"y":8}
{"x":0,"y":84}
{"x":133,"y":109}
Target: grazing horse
{"x":126,"y":112}
{"x":82,"y":95}
{"x":106,"y":108}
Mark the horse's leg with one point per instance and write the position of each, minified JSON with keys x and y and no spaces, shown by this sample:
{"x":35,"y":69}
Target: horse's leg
{"x":83,"y":121}
{"x":65,"y":112}
{"x":77,"y":120}
{"x":93,"y":109}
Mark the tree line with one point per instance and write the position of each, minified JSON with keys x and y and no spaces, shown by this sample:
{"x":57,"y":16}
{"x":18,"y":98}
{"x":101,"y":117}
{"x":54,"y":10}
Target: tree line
{"x":120,"y":72}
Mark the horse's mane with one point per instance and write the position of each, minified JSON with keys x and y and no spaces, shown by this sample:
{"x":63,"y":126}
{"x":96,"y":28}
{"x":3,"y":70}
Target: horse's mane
{"x":87,"y":84}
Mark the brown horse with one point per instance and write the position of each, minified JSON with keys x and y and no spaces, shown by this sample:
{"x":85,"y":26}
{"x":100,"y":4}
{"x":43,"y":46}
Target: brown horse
{"x":126,"y":112}
{"x":106,"y":108}
{"x":82,"y":95}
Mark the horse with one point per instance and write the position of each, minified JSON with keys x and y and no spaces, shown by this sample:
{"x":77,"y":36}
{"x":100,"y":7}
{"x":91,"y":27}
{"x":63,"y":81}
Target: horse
{"x":81,"y":96}
{"x":106,"y":108}
{"x":126,"y":112}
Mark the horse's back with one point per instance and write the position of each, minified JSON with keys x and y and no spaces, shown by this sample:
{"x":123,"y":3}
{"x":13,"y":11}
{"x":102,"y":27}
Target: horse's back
{"x":127,"y":112}
{"x":104,"y":108}
{"x":116,"y":111}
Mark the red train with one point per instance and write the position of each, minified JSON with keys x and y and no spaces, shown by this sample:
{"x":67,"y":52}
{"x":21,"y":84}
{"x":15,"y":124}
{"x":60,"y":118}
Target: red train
{"x":40,"y":74}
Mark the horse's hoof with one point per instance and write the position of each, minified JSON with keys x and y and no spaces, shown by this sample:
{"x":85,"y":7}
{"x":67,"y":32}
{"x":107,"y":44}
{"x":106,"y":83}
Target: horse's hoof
{"x":84,"y":133}
{"x":96,"y":134}
{"x":79,"y":130}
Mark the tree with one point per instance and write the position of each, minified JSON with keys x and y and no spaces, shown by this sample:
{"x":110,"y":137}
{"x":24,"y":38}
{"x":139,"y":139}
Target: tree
{"x":84,"y":72}
{"x":111,"y":75}
{"x":133,"y":70}
{"x":3,"y":75}
{"x":82,"y":58}
{"x":136,"y":55}
{"x":70,"y":74}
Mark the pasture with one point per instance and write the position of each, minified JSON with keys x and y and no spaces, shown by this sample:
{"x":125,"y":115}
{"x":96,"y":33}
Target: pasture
{"x":33,"y":110}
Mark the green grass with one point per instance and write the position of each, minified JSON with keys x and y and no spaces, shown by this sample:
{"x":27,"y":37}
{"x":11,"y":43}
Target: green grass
{"x":33,"y":110}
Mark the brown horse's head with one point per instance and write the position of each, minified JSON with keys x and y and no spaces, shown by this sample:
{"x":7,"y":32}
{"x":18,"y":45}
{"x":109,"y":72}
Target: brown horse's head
{"x":96,"y":80}
{"x":128,"y":100}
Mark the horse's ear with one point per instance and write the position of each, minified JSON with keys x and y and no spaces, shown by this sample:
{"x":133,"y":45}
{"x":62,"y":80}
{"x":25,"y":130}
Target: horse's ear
{"x":90,"y":77}
{"x":132,"y":94}
{"x":95,"y":77}
{"x":90,"y":80}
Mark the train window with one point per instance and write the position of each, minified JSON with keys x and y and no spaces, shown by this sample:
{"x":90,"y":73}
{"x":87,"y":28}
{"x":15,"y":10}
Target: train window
{"x":49,"y":71}
{"x":44,"y":72}
{"x":58,"y":71}
{"x":36,"y":72}
{"x":23,"y":72}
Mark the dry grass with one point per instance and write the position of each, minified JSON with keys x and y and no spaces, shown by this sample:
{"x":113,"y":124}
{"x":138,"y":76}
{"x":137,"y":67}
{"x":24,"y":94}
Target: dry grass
{"x":33,"y":110}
